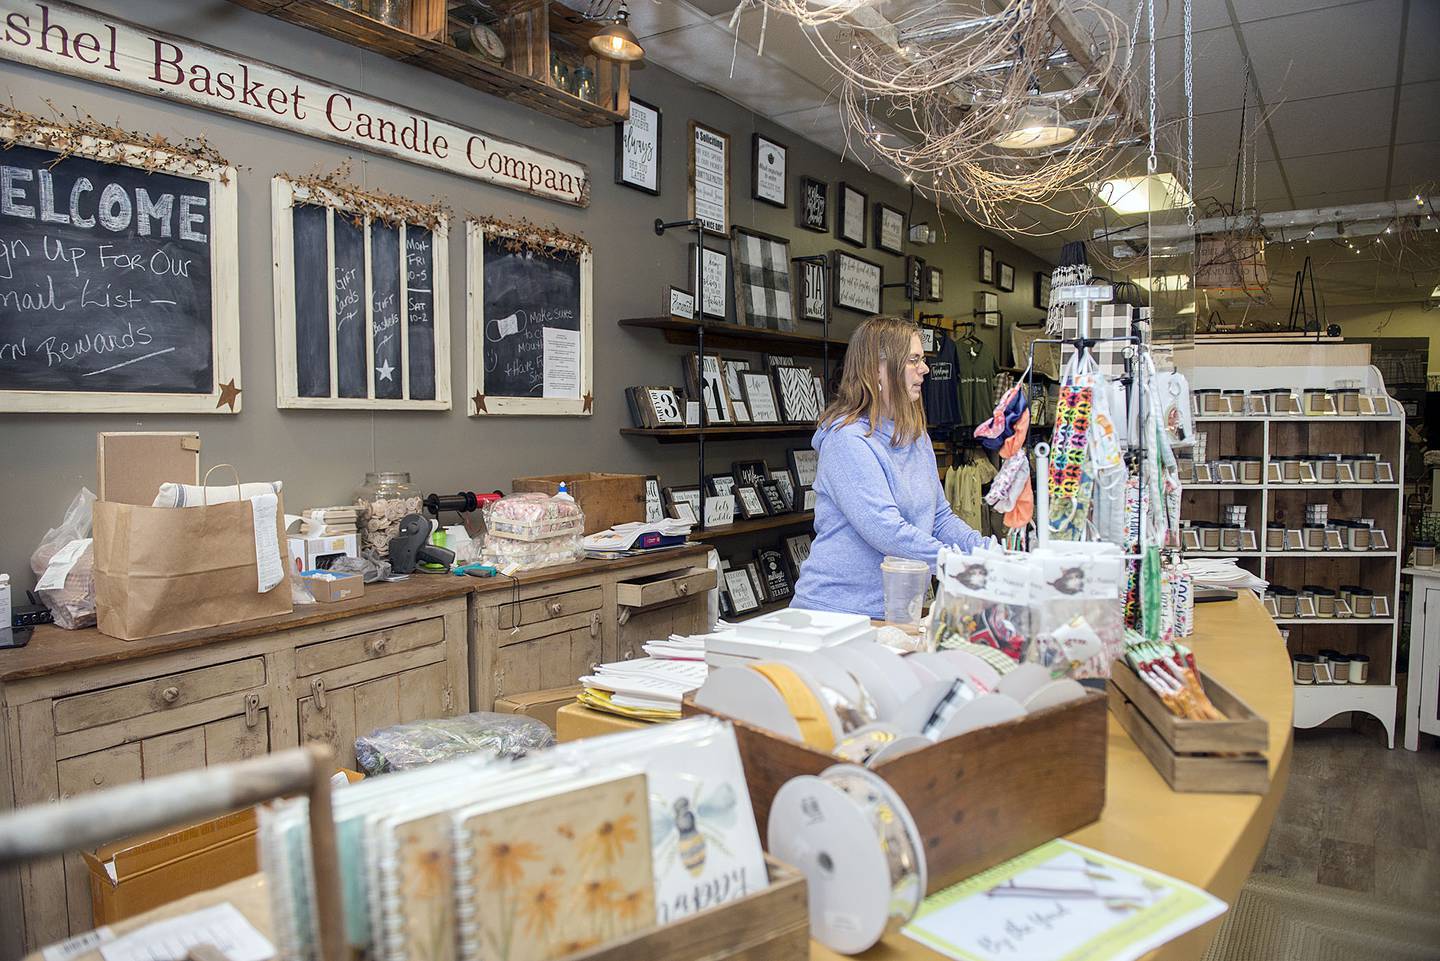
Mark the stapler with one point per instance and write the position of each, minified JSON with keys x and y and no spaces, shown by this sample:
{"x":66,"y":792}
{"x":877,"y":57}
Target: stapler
{"x":411,"y":546}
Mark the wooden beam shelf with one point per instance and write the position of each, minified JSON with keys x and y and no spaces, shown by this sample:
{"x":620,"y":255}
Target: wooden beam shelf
{"x":689,"y":435}
{"x":741,"y":528}
{"x":719,"y":336}
{"x":525,"y":26}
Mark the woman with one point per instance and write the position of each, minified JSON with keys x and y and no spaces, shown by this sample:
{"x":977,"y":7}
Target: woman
{"x":877,"y":488}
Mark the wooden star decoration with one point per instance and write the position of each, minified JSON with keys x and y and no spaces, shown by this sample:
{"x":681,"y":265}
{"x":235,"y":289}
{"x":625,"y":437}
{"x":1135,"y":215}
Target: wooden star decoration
{"x":589,"y":401}
{"x":479,"y":401}
{"x":229,"y":394}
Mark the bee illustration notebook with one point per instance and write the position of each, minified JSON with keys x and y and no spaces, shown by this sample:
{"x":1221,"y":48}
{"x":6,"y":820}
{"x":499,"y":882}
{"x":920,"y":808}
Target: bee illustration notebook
{"x":560,"y":873}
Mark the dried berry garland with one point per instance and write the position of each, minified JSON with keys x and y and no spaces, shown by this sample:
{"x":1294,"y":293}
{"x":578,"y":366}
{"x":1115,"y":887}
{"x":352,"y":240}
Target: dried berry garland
{"x":522,"y":236}
{"x":84,"y":135}
{"x":335,"y":190}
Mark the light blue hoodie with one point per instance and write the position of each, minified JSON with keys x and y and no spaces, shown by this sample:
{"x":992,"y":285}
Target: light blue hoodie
{"x":872,"y":500}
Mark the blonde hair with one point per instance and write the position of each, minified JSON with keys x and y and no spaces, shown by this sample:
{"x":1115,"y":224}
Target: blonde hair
{"x":880,"y":340}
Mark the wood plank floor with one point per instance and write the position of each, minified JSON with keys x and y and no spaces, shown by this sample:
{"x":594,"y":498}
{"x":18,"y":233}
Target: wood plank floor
{"x":1359,"y":817}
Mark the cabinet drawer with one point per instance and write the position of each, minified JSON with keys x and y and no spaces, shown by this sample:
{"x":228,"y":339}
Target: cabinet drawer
{"x":551,"y":608}
{"x":370,"y":646}
{"x":664,"y":588}
{"x":96,"y":708}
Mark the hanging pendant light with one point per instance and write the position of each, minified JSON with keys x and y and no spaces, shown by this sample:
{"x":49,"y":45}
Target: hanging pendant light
{"x":1034,"y":127}
{"x":618,"y":41}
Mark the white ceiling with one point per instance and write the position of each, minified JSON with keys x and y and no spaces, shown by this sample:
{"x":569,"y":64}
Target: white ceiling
{"x":1346,"y":90}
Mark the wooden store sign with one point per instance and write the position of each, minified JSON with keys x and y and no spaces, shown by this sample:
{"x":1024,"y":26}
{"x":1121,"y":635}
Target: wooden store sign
{"x":72,"y":40}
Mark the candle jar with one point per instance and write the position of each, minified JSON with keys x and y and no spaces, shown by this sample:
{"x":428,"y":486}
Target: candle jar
{"x":1257,"y":402}
{"x":1325,"y":469}
{"x":559,"y":73}
{"x":1424,"y":555}
{"x":1211,"y":402}
{"x":1365,"y":468}
{"x":1274,"y":536}
{"x":1283,"y":401}
{"x":1324,"y":601}
{"x":396,"y":13}
{"x":1340,"y":669}
{"x":1362,"y":602}
{"x":1318,"y":401}
{"x":1347,"y":400}
{"x":1209,"y":537}
{"x":1359,"y":668}
{"x":1290,"y":470}
{"x":1251,"y":470}
{"x":1314,"y":537}
{"x":1304,"y":668}
{"x":1285,"y":600}
{"x":1230,"y":537}
{"x":1359,"y":536}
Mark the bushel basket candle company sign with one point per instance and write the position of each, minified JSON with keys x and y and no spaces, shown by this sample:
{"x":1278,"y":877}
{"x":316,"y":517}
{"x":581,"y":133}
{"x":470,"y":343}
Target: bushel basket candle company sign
{"x":72,"y":40}
{"x":118,"y":283}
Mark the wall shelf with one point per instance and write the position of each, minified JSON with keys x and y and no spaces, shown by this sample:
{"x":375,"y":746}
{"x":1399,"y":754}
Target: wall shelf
{"x":742,"y":527}
{"x":689,"y":435}
{"x":1287,"y":621}
{"x":678,"y":330}
{"x":525,"y":77}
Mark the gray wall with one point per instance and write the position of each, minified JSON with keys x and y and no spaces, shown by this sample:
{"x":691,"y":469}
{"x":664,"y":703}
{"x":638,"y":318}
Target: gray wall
{"x":323,"y":456}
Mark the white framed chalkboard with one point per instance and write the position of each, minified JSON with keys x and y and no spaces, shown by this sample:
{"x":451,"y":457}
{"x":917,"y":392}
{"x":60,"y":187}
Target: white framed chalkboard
{"x":529,"y":321}
{"x":362,"y":307}
{"x":119,"y":288}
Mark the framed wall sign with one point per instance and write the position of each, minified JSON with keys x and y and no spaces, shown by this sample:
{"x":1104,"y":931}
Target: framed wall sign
{"x":1042,"y":290}
{"x":773,"y":574}
{"x":120,"y":277}
{"x":768,"y":182}
{"x":637,"y":148}
{"x":750,"y":473}
{"x":811,"y":294}
{"x":784,"y":482}
{"x":856,"y":282}
{"x":796,"y":389}
{"x":715,"y":288}
{"x":680,"y":303}
{"x":686,"y":496}
{"x":797,"y":551}
{"x":720,"y":485}
{"x":762,"y":280}
{"x":747,"y":499}
{"x":654,"y":502}
{"x":814,"y":207}
{"x":719,"y":511}
{"x":889,"y":229}
{"x":759,"y":397}
{"x":529,"y":320}
{"x":987,"y":303}
{"x":934,"y":284}
{"x":710,"y":177}
{"x":914,"y":277}
{"x":774,"y":503}
{"x":709,"y":384}
{"x":1006,"y":280}
{"x":987,"y":265}
{"x":377,"y":335}
{"x":850,"y":214}
{"x":742,"y":592}
{"x":804,"y":462}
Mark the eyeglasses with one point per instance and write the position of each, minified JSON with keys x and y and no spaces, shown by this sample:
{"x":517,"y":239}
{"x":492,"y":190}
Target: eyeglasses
{"x":914,"y":360}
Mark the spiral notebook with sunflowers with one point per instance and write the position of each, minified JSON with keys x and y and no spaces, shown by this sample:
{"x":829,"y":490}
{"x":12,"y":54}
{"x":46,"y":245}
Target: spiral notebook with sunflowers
{"x":558,"y":874}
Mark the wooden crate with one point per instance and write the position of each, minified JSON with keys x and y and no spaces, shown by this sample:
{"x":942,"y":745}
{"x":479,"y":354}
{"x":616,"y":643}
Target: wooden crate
{"x":606,"y":499}
{"x":1222,"y":757}
{"x":769,"y":925}
{"x":978,"y":799}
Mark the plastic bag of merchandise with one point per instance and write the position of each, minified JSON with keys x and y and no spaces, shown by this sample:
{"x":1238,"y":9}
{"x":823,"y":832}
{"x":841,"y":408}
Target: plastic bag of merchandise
{"x":65,"y":564}
{"x":1077,"y":618}
{"x":983,"y":599}
{"x":533,"y":530}
{"x":439,"y":739}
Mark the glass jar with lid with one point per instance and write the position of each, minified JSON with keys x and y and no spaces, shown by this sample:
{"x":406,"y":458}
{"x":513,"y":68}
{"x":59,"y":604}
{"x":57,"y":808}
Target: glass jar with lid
{"x":583,"y":81}
{"x":384,"y":500}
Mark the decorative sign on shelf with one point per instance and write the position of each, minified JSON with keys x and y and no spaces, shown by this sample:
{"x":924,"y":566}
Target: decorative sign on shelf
{"x":119,"y":288}
{"x":767,"y":171}
{"x":856,"y":281}
{"x":374,"y":331}
{"x":810,"y":279}
{"x":889,"y":229}
{"x":529,"y":320}
{"x":762,"y":279}
{"x":814,"y":213}
{"x":715,"y":287}
{"x":850,"y":214}
{"x":55,"y":35}
{"x":637,"y":148}
{"x":710,"y":177}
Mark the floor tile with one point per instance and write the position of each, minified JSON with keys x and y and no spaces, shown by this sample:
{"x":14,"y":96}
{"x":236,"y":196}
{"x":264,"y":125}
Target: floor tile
{"x":1292,"y":853}
{"x":1344,"y":864}
{"x":1407,"y":876}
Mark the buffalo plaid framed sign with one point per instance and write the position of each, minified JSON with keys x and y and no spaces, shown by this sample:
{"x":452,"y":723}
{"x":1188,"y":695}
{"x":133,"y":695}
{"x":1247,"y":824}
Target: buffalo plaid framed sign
{"x":763,"y":295}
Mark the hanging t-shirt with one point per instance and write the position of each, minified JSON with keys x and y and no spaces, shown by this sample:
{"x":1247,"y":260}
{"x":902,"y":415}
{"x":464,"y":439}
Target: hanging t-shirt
{"x":940,"y":392}
{"x":975,"y":378}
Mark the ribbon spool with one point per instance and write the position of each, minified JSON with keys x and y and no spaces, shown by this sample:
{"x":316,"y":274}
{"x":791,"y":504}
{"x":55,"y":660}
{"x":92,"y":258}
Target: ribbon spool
{"x":853,"y":838}
{"x":777,"y":697}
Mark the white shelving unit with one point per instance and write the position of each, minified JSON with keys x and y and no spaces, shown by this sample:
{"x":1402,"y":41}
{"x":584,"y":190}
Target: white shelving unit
{"x":1382,"y":435}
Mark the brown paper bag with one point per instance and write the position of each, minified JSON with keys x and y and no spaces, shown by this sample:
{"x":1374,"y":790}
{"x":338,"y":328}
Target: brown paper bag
{"x":161,"y":570}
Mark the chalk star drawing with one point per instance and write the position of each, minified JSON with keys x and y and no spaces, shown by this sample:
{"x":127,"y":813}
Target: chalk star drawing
{"x":385,"y":371}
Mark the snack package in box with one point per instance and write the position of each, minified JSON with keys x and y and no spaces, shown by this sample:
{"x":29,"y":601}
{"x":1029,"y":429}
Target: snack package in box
{"x":1077,"y":617}
{"x":529,"y":531}
{"x":983,"y":598}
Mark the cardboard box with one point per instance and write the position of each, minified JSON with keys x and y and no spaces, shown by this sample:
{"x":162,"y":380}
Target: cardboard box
{"x":606,"y":499}
{"x":327,"y":588}
{"x":137,"y":874}
{"x":130,"y":466}
{"x":306,"y":553}
{"x":576,"y":721}
{"x":541,"y":705}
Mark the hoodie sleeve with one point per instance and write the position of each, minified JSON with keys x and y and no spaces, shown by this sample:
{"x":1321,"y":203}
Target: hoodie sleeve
{"x":950,"y":529}
{"x":858,"y":486}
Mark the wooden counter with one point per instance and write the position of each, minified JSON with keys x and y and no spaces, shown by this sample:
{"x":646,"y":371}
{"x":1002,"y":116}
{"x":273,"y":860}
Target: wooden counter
{"x":1210,"y":840}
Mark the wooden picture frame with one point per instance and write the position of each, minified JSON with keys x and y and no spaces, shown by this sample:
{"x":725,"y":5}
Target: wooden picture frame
{"x":934,"y":284}
{"x":709,"y":177}
{"x":987,"y":265}
{"x":914,"y":277}
{"x":30,"y":381}
{"x":855,"y":283}
{"x":709,"y":384}
{"x":654,"y":500}
{"x":1042,"y":290}
{"x":797,"y":551}
{"x":719,"y":512}
{"x":638,"y":142}
{"x":774,"y":577}
{"x":489,"y":320}
{"x":774,"y":503}
{"x":804,"y":463}
{"x":733,"y":367}
{"x":719,"y":485}
{"x":889,"y":229}
{"x":749,"y":503}
{"x":763,"y":294}
{"x":714,"y":290}
{"x":851,"y":214}
{"x":752,"y":569}
{"x":812,"y":299}
{"x":741,"y":591}
{"x":1005,"y":277}
{"x":769,"y":179}
{"x":664,"y":408}
{"x":750,"y":473}
{"x":688,"y":495}
{"x":679,"y":303}
{"x":795,"y":390}
{"x":759,"y":392}
{"x":812,"y":212}
{"x":784,"y":480}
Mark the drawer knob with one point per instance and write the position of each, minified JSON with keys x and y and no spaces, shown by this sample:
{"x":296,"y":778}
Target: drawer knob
{"x":555,"y":608}
{"x":682,"y":588}
{"x":98,"y":779}
{"x":378,"y":646}
{"x":170,"y":695}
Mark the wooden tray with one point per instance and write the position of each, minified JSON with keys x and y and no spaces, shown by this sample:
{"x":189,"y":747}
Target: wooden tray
{"x":977,"y":799}
{"x":769,"y":925}
{"x":1218,"y":757}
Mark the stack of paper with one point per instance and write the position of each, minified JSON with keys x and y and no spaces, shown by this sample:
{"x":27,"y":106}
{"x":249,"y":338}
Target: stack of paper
{"x":623,"y":538}
{"x":648,"y":688}
{"x":678,"y":647}
{"x":331,"y":521}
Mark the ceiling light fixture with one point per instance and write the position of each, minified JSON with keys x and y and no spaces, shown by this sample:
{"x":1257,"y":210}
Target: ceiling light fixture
{"x":1034,"y":127}
{"x":1143,"y":194}
{"x":617,"y":41}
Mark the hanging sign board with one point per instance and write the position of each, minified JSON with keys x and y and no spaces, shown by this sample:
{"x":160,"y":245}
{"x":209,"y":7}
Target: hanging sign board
{"x":82,"y":43}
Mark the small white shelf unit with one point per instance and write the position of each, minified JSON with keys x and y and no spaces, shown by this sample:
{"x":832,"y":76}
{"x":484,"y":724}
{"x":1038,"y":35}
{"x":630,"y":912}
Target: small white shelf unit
{"x":1382,"y":435}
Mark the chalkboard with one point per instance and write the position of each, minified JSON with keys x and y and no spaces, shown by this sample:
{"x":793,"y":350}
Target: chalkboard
{"x":117,"y":283}
{"x":361,"y":307}
{"x":529,"y":326}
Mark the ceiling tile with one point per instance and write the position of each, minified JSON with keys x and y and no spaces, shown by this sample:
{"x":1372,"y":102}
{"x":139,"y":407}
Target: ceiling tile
{"x":1421,"y":61}
{"x":1339,"y":197}
{"x":1218,"y":183}
{"x":1327,"y":51}
{"x":1251,"y":10}
{"x":1343,"y":170}
{"x":1326,"y":124}
{"x":1419,"y":118}
{"x":711,"y":8}
{"x":712,"y":57}
{"x":1219,"y":72}
{"x":648,"y":19}
{"x":822,"y":125}
{"x":1169,"y":16}
{"x":1415,"y":165}
{"x":786,"y":42}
